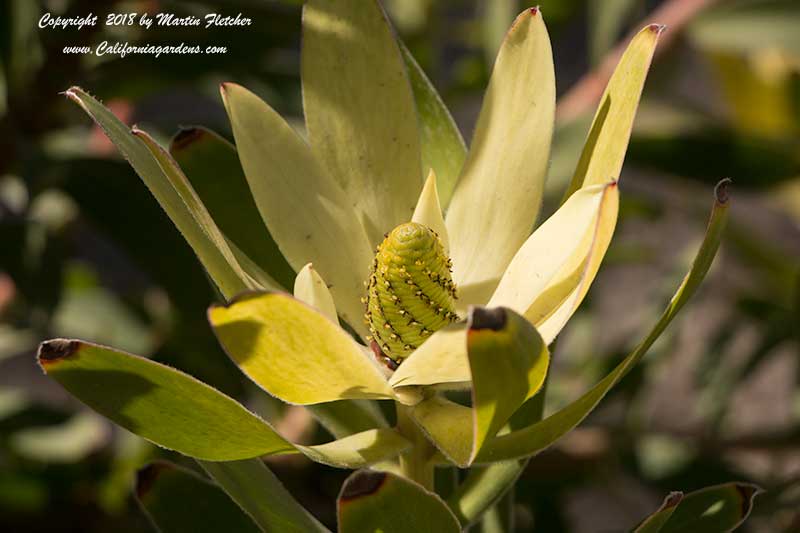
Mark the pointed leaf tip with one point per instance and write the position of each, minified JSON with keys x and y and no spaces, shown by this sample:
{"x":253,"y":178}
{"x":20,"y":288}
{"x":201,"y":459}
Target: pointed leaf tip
{"x":721,"y":191}
{"x":70,"y":93}
{"x":486,"y":318}
{"x":503,"y":177}
{"x":391,"y":504}
{"x":56,"y":349}
{"x":658,"y":29}
{"x":237,"y":298}
{"x":362,"y":483}
{"x":672,"y":499}
{"x":535,"y":10}
{"x":185,"y":137}
{"x":147,"y":476}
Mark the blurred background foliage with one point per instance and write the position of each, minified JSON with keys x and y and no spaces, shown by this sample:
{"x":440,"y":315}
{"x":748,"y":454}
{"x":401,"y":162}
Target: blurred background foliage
{"x":86,"y":252}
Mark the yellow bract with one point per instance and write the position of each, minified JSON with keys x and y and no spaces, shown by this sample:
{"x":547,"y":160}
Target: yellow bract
{"x":294,"y":352}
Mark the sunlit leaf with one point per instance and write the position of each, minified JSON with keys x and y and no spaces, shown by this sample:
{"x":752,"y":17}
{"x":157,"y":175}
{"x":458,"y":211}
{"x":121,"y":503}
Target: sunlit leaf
{"x":310,"y":288}
{"x":295,"y":352}
{"x":553,"y":261}
{"x":442,"y":359}
{"x":307,"y":213}
{"x":499,"y":193}
{"x":159,"y":403}
{"x":354,"y":84}
{"x":508,"y":361}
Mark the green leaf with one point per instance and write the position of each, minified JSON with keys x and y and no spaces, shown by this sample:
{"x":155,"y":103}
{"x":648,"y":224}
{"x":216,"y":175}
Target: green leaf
{"x":716,"y":509}
{"x":177,"y":500}
{"x":482,"y":488}
{"x":499,"y":193}
{"x":159,"y":403}
{"x":449,"y":426}
{"x":261,"y":495}
{"x":500,"y":518}
{"x":443,"y":147}
{"x":607,"y":142}
{"x":536,"y":437}
{"x":379,"y":502}
{"x":198,"y":211}
{"x":354,"y":84}
{"x":307,"y":213}
{"x":212,"y":166}
{"x":553,"y":262}
{"x":294,"y":352}
{"x":172,"y":192}
{"x":178,"y":412}
{"x":655,"y":522}
{"x":359,"y":450}
{"x":508,"y":362}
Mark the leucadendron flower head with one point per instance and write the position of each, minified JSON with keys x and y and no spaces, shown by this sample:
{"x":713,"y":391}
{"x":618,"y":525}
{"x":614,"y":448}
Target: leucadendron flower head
{"x":440,"y":278}
{"x":406,"y":263}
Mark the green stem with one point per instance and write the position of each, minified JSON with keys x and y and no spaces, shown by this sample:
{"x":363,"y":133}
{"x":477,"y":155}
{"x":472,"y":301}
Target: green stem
{"x":416,"y":463}
{"x":485,"y":487}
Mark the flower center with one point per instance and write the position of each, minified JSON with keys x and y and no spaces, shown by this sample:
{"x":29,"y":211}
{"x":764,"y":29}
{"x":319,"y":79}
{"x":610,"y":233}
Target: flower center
{"x":410,"y":291}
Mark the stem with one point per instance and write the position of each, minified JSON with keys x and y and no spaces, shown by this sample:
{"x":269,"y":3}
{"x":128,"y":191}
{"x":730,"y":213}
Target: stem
{"x":484,"y":487}
{"x":416,"y":463}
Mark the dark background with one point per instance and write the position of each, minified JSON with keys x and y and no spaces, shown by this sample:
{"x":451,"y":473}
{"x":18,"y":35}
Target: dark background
{"x":86,"y":252}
